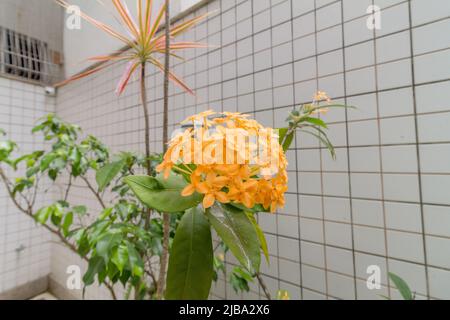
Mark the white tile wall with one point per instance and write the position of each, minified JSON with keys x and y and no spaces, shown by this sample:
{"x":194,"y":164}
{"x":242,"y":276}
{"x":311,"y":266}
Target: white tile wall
{"x":386,"y":200}
{"x":24,"y":246}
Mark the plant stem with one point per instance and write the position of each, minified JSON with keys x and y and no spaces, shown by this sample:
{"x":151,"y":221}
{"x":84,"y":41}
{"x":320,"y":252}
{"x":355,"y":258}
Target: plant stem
{"x":166,"y":217}
{"x":147,"y":135}
{"x":146,"y":121}
{"x":263,"y":286}
{"x":95,"y":192}
{"x":148,"y":211}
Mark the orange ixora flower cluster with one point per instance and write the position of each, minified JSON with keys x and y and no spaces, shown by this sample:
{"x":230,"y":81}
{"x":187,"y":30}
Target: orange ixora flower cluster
{"x":229,"y":158}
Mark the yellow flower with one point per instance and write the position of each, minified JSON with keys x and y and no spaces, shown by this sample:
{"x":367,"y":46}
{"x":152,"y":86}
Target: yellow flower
{"x":243,"y":192}
{"x":211,"y":187}
{"x":321,"y":96}
{"x":238,"y":174}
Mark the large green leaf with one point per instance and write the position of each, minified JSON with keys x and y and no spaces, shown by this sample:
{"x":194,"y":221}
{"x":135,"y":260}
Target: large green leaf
{"x":161,"y":194}
{"x":96,"y":264}
{"x":136,"y":263}
{"x":238,"y":233}
{"x":191,"y":260}
{"x":107,"y":173}
{"x":120,"y":257}
{"x":106,"y":243}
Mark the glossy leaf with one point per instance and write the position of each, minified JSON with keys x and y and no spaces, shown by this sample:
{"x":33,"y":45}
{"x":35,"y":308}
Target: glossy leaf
{"x":68,"y":219}
{"x":261,"y":237}
{"x":107,"y":173}
{"x":43,"y":214}
{"x":161,"y":194}
{"x":285,"y":138}
{"x":96,"y":264}
{"x":191,"y":260}
{"x":120,"y":257}
{"x":106,"y":243}
{"x":136,"y":263}
{"x":238,"y":233}
{"x":281,"y":134}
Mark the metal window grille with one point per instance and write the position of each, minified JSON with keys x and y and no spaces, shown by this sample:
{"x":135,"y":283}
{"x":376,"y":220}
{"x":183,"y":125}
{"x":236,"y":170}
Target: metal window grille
{"x":26,"y":57}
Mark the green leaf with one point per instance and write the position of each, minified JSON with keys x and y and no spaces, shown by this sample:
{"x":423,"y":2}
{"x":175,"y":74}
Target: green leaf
{"x":107,"y":173}
{"x":401,"y":286}
{"x":47,"y":160}
{"x":238,"y":233}
{"x":260,"y":234}
{"x":80,"y":210}
{"x":6,"y":147}
{"x":191,"y":270}
{"x":324,"y":139}
{"x":316,"y":122}
{"x":96,"y":265}
{"x":105,"y":213}
{"x":43,"y":214}
{"x":287,"y":143}
{"x":106,"y":243}
{"x":38,"y":128}
{"x":281,"y":134}
{"x":56,"y":214}
{"x":32,"y":171}
{"x":120,"y":257}
{"x":161,"y":194}
{"x":68,"y":219}
{"x":82,"y":241}
{"x":136,"y":263}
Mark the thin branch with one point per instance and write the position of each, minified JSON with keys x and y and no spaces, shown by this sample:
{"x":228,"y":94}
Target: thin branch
{"x":8,"y":189}
{"x":263,"y":286}
{"x":95,"y":192}
{"x":111,"y":290}
{"x":66,"y":196}
{"x":33,"y":199}
{"x":150,"y":272}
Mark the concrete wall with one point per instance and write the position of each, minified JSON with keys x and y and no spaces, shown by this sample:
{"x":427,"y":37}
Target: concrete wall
{"x":40,"y":19}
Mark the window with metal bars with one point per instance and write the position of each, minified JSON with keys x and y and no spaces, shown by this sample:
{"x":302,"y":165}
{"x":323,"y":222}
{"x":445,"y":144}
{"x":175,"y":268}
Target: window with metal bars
{"x":26,"y":57}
